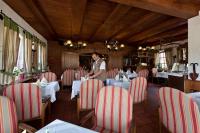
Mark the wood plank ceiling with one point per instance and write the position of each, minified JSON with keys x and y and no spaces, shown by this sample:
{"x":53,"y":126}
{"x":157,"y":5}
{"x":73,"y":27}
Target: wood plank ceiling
{"x":128,"y":21}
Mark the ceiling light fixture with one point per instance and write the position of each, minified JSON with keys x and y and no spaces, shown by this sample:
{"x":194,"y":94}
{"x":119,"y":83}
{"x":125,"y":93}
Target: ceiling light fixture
{"x":75,"y":45}
{"x":114,"y":45}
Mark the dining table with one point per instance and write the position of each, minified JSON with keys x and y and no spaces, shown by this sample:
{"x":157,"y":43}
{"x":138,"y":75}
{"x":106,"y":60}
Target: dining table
{"x":49,"y":90}
{"x":109,"y":82}
{"x":59,"y":126}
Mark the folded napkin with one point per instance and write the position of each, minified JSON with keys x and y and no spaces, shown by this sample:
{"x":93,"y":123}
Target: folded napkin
{"x":44,"y":82}
{"x":84,"y":78}
{"x":117,"y":77}
{"x":125,"y":79}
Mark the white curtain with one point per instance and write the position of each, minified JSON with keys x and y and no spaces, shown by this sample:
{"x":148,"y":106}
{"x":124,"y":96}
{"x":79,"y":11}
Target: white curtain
{"x":157,"y":59}
{"x":44,"y":56}
{"x":1,"y":45}
{"x":20,"y":60}
{"x":28,"y":53}
{"x":11,"y":43}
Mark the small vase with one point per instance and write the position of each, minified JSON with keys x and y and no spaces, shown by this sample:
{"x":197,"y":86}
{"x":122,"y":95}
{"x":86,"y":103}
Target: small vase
{"x":194,"y":75}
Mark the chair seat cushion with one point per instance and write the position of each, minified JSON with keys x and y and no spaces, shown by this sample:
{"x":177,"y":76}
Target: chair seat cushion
{"x":102,"y":130}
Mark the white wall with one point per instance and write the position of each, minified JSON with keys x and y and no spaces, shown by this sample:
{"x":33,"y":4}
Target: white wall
{"x":19,"y":20}
{"x":194,"y":43}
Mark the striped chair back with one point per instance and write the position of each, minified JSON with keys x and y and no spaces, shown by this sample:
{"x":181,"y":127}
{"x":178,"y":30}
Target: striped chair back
{"x":8,"y":116}
{"x":6,"y":79}
{"x":113,"y":110}
{"x":143,"y":73}
{"x":111,"y":74}
{"x":138,"y":89}
{"x":88,"y":93}
{"x":79,"y":74}
{"x":27,"y":98}
{"x":178,"y":112}
{"x":68,"y":77}
{"x":50,"y":76}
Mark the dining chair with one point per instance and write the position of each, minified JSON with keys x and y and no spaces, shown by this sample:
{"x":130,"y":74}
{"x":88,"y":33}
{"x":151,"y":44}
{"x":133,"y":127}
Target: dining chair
{"x":113,"y":111}
{"x":143,"y":73}
{"x":79,"y":74}
{"x":178,"y":112}
{"x":68,"y":77}
{"x":111,"y":74}
{"x":28,"y":100}
{"x":8,"y":118}
{"x":138,"y":89}
{"x":50,"y":76}
{"x":88,"y":94}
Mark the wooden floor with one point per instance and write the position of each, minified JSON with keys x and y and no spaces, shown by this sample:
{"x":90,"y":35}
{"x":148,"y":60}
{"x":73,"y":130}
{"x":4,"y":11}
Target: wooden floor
{"x":146,"y":116}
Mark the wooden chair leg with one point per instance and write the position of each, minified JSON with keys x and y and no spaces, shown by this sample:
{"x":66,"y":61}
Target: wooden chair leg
{"x":133,"y":129}
{"x":49,"y":107}
{"x":78,"y":108}
{"x":160,"y":126}
{"x":43,"y":118}
{"x":44,"y":106}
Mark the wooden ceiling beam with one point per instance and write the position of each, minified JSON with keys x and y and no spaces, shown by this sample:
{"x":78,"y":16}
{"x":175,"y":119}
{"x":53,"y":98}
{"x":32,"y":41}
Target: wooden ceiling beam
{"x":137,"y":26}
{"x":37,"y":11}
{"x":170,"y":33}
{"x":78,"y":12}
{"x":103,"y":31}
{"x":171,"y":39}
{"x":167,"y":25}
{"x":168,"y":7}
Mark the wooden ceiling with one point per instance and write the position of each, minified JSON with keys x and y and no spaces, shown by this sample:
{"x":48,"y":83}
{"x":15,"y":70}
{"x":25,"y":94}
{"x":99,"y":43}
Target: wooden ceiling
{"x":129,"y":21}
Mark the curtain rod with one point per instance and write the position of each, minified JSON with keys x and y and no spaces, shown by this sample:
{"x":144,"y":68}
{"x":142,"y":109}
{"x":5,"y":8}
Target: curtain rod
{"x":24,"y":30}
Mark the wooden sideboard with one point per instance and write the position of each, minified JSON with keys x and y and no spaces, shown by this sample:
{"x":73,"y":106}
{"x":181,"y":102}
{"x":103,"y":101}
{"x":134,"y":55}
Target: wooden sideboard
{"x":190,"y":85}
{"x":176,"y":82}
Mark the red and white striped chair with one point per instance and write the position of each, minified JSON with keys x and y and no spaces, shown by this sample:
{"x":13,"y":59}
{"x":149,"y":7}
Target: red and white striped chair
{"x":88,"y":94}
{"x":8,"y":118}
{"x":143,"y":73}
{"x":50,"y":76}
{"x":138,"y":89}
{"x":111,"y":74}
{"x":178,"y":112}
{"x":68,"y":77}
{"x":28,"y":100}
{"x":113,"y":111}
{"x":79,"y":74}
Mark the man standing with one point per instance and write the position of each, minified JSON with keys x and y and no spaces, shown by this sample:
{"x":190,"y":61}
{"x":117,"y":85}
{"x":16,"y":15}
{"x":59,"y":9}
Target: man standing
{"x":98,"y":70}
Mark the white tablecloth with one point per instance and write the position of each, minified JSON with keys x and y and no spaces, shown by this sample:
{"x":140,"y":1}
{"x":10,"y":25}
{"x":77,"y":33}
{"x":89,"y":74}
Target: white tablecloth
{"x":50,"y":90}
{"x":77,"y":83}
{"x":75,"y":88}
{"x":58,"y":126}
{"x":123,"y":84}
{"x":166,"y":74}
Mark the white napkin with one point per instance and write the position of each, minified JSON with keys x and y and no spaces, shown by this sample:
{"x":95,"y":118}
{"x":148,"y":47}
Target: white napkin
{"x":125,"y":78}
{"x":44,"y":82}
{"x":84,"y":79}
{"x":117,"y":77}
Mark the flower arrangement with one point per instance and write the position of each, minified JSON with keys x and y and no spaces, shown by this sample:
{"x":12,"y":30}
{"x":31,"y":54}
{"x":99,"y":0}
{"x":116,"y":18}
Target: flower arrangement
{"x":16,"y":71}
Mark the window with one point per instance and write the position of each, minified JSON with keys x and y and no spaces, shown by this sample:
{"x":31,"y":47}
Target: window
{"x":162,"y":60}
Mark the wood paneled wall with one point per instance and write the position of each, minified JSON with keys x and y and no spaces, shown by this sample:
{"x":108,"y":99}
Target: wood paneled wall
{"x":54,"y":57}
{"x":60,"y":57}
{"x":70,"y":60}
